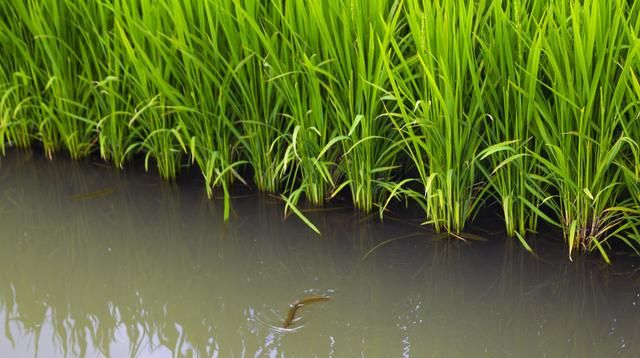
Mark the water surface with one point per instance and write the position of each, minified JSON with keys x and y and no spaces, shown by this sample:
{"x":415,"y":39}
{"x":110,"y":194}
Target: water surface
{"x":96,"y":262}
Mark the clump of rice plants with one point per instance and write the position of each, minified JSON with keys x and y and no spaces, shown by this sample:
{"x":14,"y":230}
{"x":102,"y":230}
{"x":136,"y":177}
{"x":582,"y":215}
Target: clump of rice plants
{"x":14,"y":127}
{"x":360,"y":42}
{"x":246,"y":55}
{"x":202,"y":75}
{"x":155,"y":119}
{"x":512,"y":53}
{"x":439,"y":84}
{"x":588,"y":68}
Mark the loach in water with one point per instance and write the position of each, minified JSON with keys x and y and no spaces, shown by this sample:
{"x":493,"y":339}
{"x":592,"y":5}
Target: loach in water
{"x":299,"y":304}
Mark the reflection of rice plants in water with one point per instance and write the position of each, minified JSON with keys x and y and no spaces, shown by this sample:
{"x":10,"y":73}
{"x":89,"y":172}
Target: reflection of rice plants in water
{"x":85,"y":278}
{"x":113,"y":290}
{"x":450,"y":104}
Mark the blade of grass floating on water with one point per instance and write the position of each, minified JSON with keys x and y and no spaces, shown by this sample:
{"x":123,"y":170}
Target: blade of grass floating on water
{"x":523,"y":242}
{"x":290,"y":205}
{"x":385,"y":242}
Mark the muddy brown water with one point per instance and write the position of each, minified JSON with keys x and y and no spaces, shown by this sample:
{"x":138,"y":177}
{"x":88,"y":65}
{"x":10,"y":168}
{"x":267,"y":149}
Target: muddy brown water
{"x":96,"y":262}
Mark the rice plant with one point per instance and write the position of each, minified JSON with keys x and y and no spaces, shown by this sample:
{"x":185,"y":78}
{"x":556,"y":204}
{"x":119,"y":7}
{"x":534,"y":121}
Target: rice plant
{"x":512,"y":53}
{"x":14,"y":127}
{"x":589,"y":64}
{"x":15,"y":98}
{"x":159,"y":103}
{"x":361,"y":39}
{"x":439,"y":84}
{"x":58,"y":61}
{"x":252,"y":95}
{"x":203,"y":78}
{"x":630,"y":161}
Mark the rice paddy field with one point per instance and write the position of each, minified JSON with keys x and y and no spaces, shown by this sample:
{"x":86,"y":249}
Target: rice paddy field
{"x":529,"y":109}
